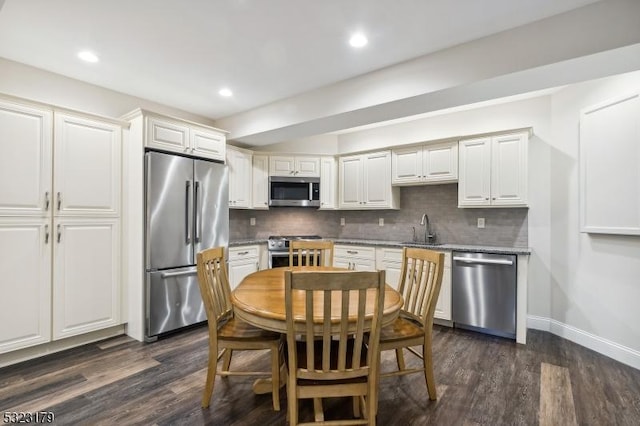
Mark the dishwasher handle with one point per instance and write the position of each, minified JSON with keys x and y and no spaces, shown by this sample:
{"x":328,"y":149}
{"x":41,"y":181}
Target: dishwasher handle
{"x":485,"y":261}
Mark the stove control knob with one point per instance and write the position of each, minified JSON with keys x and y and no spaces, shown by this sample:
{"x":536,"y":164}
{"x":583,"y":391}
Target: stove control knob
{"x":280,"y":244}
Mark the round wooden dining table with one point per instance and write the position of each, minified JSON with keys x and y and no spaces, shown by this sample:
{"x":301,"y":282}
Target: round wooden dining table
{"x":259,"y":300}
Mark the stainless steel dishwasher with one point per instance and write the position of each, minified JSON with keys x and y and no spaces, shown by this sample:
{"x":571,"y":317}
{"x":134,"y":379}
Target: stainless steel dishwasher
{"x":484,"y":292}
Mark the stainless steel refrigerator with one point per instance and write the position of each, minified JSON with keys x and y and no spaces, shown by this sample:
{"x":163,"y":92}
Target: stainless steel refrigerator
{"x":187,"y":210}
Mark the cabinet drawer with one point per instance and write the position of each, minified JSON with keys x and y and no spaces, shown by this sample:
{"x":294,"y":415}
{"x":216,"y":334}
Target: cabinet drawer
{"x":355,"y":252}
{"x":390,"y":255}
{"x":243,"y":252}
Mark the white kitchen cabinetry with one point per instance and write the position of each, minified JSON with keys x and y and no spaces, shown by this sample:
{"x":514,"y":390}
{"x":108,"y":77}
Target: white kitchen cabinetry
{"x":493,"y":171}
{"x":240,"y":166}
{"x":425,"y":164}
{"x":69,"y":276}
{"x":243,"y":260}
{"x":294,"y":166}
{"x":86,"y":285}
{"x":328,"y":183}
{"x":174,"y":135}
{"x":365,"y":182}
{"x":260,"y":182}
{"x":357,"y":258}
{"x":390,"y":259}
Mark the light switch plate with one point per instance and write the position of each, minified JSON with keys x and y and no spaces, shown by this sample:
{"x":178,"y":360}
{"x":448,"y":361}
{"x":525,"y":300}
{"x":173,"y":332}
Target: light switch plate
{"x":342,"y":222}
{"x":481,"y":222}
{"x":381,"y":221}
{"x":252,"y":221}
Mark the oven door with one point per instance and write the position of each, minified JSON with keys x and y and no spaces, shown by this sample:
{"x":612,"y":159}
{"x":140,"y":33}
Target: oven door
{"x":278,"y":259}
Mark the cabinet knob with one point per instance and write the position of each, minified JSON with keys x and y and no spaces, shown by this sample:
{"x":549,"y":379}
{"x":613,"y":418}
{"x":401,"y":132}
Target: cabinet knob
{"x":487,"y":199}
{"x":494,"y":198}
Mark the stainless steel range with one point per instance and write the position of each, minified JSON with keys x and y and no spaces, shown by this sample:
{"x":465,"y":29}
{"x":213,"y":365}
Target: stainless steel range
{"x":279,"y":248}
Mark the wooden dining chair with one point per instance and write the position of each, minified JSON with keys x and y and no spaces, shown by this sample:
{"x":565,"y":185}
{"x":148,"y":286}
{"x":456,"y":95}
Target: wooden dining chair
{"x":227,"y":333}
{"x":334,"y":359}
{"x":311,"y":253}
{"x":420,"y":281}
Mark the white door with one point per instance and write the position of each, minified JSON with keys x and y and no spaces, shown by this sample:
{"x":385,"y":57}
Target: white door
{"x":167,"y":135}
{"x":406,"y":165}
{"x":440,"y":162}
{"x":281,"y":166}
{"x":474,"y":188}
{"x":25,"y":283}
{"x":260,"y":182}
{"x":377,"y":179}
{"x":207,"y":144}
{"x":86,"y":284}
{"x":328,"y":183}
{"x":240,"y":166}
{"x":87,"y":166}
{"x":509,"y":170}
{"x":350,"y":182}
{"x":25,"y":160}
{"x":238,"y":269}
{"x":307,"y":166}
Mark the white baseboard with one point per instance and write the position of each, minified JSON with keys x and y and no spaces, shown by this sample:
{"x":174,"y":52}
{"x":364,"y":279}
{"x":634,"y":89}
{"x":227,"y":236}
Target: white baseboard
{"x":603,"y":346}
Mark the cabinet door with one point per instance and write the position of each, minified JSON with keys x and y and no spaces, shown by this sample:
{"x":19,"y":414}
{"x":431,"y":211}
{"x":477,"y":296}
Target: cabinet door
{"x":327,"y":183}
{"x":25,"y":286}
{"x":25,"y":160}
{"x":365,"y":265}
{"x":87,"y":166}
{"x":260,"y":182}
{"x":167,"y":135}
{"x":474,"y":187}
{"x":240,"y":166}
{"x":281,"y":166}
{"x":443,"y":307}
{"x":440,"y":162}
{"x":238,"y":269}
{"x":307,"y":166}
{"x":207,"y":144}
{"x":86,"y":284}
{"x":509,"y":170}
{"x":377,"y":179}
{"x":406,"y":165}
{"x":350,"y":182}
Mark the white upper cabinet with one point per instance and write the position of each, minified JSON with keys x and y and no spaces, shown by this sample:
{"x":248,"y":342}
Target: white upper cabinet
{"x":87,"y":173}
{"x":328,"y":183}
{"x":294,"y":166}
{"x":494,"y":171}
{"x":240,"y":172}
{"x":425,"y":164}
{"x":173,"y":135}
{"x":260,"y":179}
{"x":25,"y":160}
{"x":365,"y":182}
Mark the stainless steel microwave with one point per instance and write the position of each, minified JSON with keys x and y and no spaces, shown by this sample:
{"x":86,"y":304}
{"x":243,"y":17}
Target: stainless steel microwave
{"x":288,"y":191}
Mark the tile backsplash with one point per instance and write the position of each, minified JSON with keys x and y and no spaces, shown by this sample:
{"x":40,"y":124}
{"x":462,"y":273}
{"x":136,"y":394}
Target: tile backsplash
{"x":503,"y":227}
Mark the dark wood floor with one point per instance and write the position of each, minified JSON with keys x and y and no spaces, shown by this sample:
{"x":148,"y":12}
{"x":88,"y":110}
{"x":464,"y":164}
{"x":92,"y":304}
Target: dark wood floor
{"x":482,"y":380}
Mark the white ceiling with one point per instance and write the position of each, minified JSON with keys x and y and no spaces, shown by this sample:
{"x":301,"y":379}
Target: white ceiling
{"x":181,"y":52}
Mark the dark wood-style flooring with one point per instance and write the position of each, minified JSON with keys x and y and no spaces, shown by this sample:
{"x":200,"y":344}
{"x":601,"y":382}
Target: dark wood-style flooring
{"x":481,"y":380}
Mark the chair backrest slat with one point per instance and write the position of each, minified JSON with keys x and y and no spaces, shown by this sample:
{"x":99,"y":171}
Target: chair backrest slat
{"x":311,"y":252}
{"x":214,"y":286}
{"x":420,"y":281}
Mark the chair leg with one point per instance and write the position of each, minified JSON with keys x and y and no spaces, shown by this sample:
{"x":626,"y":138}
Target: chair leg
{"x":428,"y":370}
{"x":211,"y":375}
{"x":226,"y":360}
{"x":275,"y":376}
{"x":400,"y":359}
{"x":292,"y":402}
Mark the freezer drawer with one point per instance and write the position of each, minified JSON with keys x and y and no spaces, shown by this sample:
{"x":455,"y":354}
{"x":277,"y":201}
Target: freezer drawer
{"x":173,"y":300}
{"x":484,"y":292}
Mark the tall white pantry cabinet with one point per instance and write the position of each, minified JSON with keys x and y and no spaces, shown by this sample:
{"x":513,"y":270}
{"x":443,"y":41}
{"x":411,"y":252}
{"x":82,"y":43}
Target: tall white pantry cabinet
{"x":60,"y":206}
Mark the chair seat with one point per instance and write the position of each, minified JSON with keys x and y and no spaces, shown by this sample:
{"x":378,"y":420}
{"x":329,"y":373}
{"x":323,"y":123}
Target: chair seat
{"x":401,"y":329}
{"x":235,"y":329}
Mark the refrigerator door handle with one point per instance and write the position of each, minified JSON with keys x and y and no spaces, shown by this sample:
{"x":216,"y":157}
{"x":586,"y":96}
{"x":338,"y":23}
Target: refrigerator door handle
{"x":178,"y":274}
{"x":187,"y":202}
{"x":197,"y":213}
{"x":485,"y":261}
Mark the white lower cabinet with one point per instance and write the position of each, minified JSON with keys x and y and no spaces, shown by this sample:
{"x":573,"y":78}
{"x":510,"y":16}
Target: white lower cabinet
{"x":243,"y":260}
{"x":390,"y":260}
{"x":86,"y":290}
{"x":357,"y":258}
{"x":25,"y":268}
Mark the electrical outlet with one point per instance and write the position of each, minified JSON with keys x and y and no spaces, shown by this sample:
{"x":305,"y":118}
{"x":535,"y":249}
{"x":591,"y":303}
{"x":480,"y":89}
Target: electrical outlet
{"x":342,"y":222}
{"x":252,"y":221}
{"x":381,"y":221}
{"x":481,"y":222}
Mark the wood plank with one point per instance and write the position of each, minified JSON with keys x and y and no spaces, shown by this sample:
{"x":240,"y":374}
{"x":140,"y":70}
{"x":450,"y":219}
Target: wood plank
{"x":556,"y":397}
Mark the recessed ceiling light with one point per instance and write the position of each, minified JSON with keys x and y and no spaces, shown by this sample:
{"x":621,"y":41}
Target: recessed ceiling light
{"x":225,"y":92}
{"x":88,"y":56}
{"x":358,"y":40}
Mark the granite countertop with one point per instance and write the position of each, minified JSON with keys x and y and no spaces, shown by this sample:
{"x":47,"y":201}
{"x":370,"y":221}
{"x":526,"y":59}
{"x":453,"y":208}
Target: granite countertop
{"x":399,"y":244}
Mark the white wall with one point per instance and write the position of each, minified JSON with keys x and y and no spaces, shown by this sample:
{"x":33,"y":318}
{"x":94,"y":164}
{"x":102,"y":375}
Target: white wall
{"x":38,"y":85}
{"x":326,"y":144}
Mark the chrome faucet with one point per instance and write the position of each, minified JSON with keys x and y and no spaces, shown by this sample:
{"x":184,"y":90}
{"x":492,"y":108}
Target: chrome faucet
{"x":429,"y":237}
